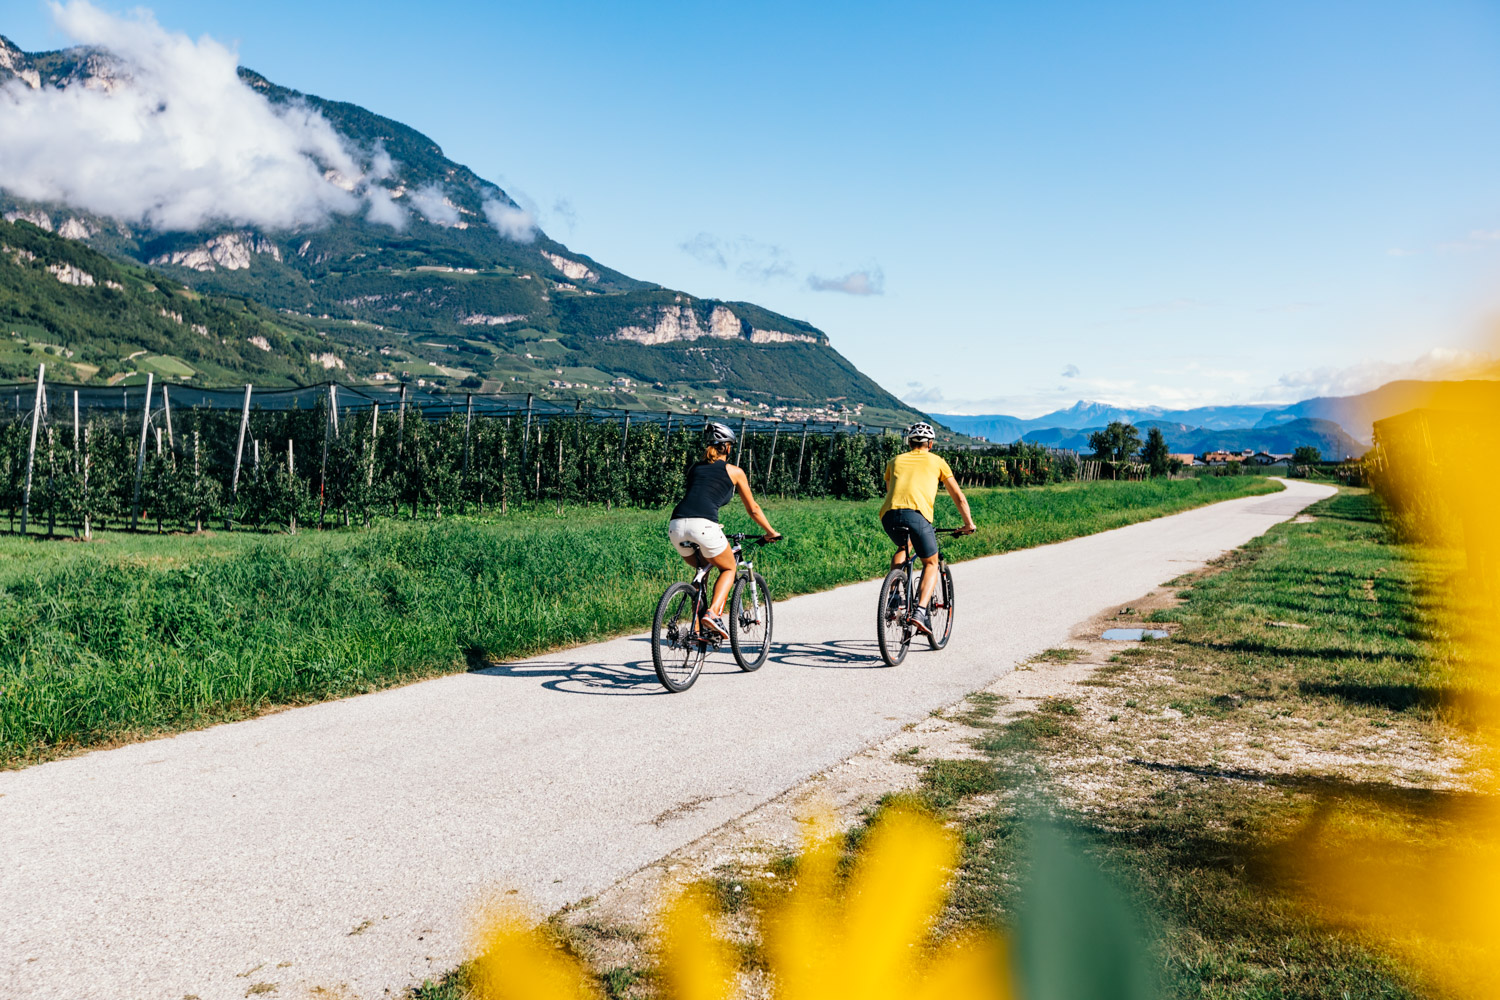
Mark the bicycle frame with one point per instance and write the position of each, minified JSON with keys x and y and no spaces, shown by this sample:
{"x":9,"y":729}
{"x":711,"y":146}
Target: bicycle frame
{"x":910,"y":597}
{"x":743,"y":567}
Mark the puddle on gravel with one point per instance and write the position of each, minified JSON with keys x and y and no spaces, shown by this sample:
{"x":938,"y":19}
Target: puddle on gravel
{"x":1132,"y":634}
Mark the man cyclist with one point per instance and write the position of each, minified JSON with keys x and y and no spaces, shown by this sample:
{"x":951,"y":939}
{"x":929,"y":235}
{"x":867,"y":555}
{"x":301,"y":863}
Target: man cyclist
{"x":695,"y":530}
{"x":911,"y":485}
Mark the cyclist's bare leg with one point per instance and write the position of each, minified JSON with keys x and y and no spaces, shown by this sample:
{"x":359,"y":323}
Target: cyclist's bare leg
{"x":898,"y":558}
{"x":725,"y":563}
{"x":929,"y":579}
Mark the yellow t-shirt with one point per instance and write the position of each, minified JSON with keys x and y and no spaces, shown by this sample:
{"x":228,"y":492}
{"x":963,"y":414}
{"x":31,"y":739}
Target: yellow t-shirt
{"x":911,"y":482}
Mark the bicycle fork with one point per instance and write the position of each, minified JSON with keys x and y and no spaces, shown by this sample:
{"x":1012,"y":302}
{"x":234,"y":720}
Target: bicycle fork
{"x":754,"y":592}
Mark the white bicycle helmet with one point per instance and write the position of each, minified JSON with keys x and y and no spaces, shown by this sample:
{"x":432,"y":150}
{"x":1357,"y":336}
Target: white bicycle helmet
{"x":920,"y":431}
{"x":717,"y":433}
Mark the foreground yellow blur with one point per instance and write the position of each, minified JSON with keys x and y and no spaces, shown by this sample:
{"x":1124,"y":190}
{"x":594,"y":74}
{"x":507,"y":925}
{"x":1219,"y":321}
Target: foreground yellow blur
{"x":869,"y":939}
{"x":1426,"y":882}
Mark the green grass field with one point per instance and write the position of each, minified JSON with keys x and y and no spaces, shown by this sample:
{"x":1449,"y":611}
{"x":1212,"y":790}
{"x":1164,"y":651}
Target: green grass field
{"x":137,"y":635}
{"x":1303,"y":678}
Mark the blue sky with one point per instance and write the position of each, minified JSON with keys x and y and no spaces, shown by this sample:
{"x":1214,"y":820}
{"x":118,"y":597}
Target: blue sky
{"x":1171,"y":203}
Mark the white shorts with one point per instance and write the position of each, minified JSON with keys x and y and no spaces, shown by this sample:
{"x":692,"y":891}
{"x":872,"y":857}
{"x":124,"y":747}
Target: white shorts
{"x":707,"y":535}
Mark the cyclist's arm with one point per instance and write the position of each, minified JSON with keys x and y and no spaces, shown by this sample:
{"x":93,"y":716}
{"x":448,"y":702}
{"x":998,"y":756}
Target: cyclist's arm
{"x":962,"y":502}
{"x":742,"y":484}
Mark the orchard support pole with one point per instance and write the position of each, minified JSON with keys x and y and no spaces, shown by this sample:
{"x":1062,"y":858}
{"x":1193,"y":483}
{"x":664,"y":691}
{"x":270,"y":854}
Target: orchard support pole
{"x":330,"y":421}
{"x":771,"y":462}
{"x":140,"y":455}
{"x":401,"y":422}
{"x":625,"y":437}
{"x":36,"y":419}
{"x":75,"y":431}
{"x":374,"y":422}
{"x":740,"y":445}
{"x":166,"y":409}
{"x":468,"y":423}
{"x":526,"y":437}
{"x":801,"y":450}
{"x":239,"y":446}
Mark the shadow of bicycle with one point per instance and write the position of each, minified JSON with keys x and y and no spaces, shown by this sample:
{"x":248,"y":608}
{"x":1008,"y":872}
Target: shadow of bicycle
{"x":839,"y":654}
{"x":637,"y":677}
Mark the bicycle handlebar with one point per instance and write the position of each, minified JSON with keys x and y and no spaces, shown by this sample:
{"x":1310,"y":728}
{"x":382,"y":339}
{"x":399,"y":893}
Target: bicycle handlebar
{"x":757,"y":539}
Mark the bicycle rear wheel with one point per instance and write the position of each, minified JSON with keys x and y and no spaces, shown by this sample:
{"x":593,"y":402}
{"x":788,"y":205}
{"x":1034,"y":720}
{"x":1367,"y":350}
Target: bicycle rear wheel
{"x":676,"y":650}
{"x":750,"y":622}
{"x":891,"y":628}
{"x":941,"y":611}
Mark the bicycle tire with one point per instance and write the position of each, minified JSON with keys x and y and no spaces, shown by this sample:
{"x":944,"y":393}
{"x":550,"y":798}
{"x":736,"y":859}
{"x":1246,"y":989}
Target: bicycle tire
{"x":750,"y":641}
{"x":676,"y":652}
{"x":891,"y":629}
{"x":940,"y":613}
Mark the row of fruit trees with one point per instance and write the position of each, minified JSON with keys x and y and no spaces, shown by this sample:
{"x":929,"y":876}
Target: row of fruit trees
{"x":186,"y":468}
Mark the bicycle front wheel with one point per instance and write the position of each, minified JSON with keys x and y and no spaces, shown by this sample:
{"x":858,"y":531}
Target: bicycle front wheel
{"x":676,"y":649}
{"x":941,"y":611}
{"x":891,"y":628}
{"x":750,"y":621}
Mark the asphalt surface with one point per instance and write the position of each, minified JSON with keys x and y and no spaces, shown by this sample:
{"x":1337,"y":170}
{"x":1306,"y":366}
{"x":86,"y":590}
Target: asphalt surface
{"x":346,"y":845}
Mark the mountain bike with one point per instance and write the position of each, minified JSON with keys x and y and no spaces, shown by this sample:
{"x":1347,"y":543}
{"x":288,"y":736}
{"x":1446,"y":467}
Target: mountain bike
{"x":678,"y":643}
{"x":898,"y":594}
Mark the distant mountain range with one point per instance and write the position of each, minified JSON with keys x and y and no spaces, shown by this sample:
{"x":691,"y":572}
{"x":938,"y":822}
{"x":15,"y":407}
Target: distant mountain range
{"x":1328,"y":437}
{"x":1336,"y":425}
{"x":442,"y":277}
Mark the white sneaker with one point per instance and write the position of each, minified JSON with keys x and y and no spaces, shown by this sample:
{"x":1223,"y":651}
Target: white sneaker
{"x":715,"y":623}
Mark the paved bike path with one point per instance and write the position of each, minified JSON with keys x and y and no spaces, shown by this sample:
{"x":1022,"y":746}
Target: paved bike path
{"x":344,"y":845}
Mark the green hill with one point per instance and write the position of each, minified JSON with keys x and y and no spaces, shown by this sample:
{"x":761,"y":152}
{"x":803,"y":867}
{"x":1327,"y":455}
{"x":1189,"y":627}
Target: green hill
{"x":457,"y":301}
{"x":94,"y":319}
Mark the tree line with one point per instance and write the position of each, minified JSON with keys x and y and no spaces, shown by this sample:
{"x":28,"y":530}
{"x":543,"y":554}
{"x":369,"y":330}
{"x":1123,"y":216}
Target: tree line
{"x":188,"y":469}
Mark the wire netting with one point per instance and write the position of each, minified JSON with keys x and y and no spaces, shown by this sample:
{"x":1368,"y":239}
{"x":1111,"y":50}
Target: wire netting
{"x":168,"y":455}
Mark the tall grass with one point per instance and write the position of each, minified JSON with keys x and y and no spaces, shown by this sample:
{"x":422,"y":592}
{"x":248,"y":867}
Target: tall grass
{"x":135,"y":635}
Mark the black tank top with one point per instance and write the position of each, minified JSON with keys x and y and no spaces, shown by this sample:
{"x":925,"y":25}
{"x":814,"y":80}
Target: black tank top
{"x":708,"y":488}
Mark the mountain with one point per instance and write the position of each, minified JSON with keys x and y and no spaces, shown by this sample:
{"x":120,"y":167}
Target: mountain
{"x":455,"y":286}
{"x":1356,"y":414}
{"x":1084,"y":413}
{"x":91,"y":318}
{"x":1278,"y":428}
{"x":1327,"y":437}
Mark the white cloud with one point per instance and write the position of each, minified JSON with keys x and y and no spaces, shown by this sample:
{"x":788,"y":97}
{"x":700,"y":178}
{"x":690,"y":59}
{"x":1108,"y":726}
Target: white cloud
{"x":172,"y":138}
{"x":705,"y":248}
{"x":1071,"y":371}
{"x":923,"y":394}
{"x":563,"y":209}
{"x":383,"y":209}
{"x":1438,"y":363}
{"x":434,"y":205}
{"x":866,"y":282}
{"x":752,"y":259}
{"x":512,"y":221}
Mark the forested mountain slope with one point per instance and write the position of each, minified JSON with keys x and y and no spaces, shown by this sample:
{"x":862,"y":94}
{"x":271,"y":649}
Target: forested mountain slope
{"x":445,"y":278}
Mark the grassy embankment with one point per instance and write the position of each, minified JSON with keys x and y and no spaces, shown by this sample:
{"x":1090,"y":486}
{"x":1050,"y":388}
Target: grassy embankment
{"x":1304,"y":676}
{"x":137,"y":635}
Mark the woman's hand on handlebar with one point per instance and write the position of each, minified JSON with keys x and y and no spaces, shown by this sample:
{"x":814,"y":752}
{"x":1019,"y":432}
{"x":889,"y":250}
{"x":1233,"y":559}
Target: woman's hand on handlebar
{"x":771,"y":536}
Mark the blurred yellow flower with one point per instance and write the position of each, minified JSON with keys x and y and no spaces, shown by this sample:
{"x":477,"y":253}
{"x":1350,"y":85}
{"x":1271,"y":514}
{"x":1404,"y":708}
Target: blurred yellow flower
{"x":869,"y":938}
{"x":1429,"y":885}
{"x":517,"y":962}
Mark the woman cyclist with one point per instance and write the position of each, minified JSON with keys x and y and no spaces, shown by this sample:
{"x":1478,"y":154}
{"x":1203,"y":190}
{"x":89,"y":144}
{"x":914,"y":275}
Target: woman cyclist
{"x":695,"y":529}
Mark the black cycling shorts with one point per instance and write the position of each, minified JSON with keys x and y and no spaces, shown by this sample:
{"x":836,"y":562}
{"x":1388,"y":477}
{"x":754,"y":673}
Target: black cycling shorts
{"x":898,"y":523}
